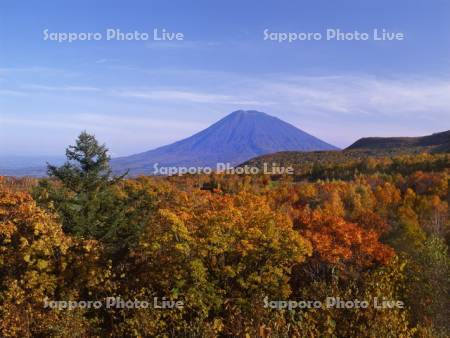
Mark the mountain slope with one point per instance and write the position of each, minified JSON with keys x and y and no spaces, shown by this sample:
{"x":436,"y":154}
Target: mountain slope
{"x":361,"y":150}
{"x":234,"y":139}
{"x":438,"y":139}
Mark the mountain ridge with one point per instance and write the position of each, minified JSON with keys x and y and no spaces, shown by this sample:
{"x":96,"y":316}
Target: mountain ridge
{"x":435,"y":139}
{"x":364,"y":148}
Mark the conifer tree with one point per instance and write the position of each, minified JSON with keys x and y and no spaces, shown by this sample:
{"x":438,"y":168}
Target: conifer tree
{"x":85,"y":194}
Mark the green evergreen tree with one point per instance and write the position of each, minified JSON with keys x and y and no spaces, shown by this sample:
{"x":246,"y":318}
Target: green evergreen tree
{"x":87,"y":168}
{"x":86,"y":195}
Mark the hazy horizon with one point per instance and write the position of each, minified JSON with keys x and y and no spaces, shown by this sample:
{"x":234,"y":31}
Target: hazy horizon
{"x":59,"y":157}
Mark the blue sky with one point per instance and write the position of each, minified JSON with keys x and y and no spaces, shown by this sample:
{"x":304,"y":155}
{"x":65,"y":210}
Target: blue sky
{"x":137,"y":95}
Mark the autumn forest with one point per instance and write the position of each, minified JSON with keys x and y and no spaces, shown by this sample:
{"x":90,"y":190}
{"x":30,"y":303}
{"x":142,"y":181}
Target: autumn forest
{"x":228,"y":255}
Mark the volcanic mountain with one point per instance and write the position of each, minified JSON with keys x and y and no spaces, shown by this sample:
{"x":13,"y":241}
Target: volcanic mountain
{"x":234,"y":139}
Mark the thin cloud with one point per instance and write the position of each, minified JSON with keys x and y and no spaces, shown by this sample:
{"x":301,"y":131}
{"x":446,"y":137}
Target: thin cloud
{"x":189,"y":96}
{"x":61,"y":88}
{"x":8,"y":92}
{"x":147,"y":122}
{"x":348,"y":95}
{"x":355,"y":95}
{"x":101,"y":121}
{"x":37,"y":70}
{"x":182,"y":44}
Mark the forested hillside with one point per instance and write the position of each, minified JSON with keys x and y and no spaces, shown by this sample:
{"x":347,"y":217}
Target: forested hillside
{"x":231,"y":248}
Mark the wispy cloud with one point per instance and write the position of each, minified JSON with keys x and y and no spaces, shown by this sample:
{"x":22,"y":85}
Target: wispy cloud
{"x":48,"y":71}
{"x":347,"y":95}
{"x":45,"y":122}
{"x":356,"y":95}
{"x":189,"y":96}
{"x":338,"y":108}
{"x":182,"y":44}
{"x":99,"y":121}
{"x":7,"y":92}
{"x":61,"y":88}
{"x":139,"y":122}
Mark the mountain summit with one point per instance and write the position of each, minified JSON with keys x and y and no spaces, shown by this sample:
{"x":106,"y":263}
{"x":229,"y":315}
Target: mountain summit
{"x":234,"y":139}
